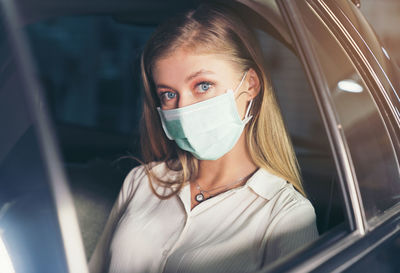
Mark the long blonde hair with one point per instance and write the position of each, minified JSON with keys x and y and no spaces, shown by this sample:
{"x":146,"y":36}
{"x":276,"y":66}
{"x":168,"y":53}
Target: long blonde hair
{"x":214,"y":29}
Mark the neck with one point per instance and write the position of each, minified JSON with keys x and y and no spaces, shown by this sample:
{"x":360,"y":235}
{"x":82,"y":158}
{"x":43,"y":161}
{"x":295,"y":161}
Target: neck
{"x":234,"y":165}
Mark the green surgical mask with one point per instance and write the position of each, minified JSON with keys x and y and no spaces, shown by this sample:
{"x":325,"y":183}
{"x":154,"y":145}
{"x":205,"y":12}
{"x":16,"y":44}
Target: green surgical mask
{"x":207,"y":129}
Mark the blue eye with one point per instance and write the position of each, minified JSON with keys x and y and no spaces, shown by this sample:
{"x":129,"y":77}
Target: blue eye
{"x":204,"y":86}
{"x":166,"y":97}
{"x":170,"y":95}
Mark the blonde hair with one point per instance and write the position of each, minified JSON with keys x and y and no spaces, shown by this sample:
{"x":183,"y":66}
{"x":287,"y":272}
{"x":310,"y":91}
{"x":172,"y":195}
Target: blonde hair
{"x":214,"y":29}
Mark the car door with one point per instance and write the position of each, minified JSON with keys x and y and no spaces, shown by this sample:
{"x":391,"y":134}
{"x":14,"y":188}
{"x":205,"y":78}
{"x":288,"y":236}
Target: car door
{"x":356,"y":87}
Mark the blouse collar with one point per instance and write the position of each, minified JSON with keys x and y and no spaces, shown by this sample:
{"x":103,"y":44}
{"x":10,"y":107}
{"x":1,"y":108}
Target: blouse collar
{"x":265,"y":184}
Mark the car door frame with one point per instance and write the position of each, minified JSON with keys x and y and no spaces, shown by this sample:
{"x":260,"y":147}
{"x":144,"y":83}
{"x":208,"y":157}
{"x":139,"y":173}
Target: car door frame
{"x":364,"y":237}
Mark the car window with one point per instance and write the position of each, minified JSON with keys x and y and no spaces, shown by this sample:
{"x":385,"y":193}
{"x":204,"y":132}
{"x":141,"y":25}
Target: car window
{"x":369,"y":145}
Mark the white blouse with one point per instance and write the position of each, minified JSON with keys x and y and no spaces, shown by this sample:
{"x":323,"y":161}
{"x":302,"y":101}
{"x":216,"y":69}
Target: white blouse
{"x":240,"y":230}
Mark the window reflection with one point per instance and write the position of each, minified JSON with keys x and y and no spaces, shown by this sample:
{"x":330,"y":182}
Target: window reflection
{"x":349,"y":85}
{"x":6,"y":265}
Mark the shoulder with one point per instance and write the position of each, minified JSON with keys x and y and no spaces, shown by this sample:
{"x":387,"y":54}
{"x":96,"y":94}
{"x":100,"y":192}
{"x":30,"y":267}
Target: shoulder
{"x":138,"y":178}
{"x":281,"y":195}
{"x":293,"y":224}
{"x":288,"y":208}
{"x":289,"y":201}
{"x":292,"y":212}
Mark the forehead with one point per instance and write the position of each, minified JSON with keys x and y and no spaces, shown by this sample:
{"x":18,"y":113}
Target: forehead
{"x":182,"y":63}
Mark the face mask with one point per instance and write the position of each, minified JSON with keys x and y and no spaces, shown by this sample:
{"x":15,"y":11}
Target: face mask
{"x":207,"y":129}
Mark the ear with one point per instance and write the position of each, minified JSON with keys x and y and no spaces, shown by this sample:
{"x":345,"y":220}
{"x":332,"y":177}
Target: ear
{"x":253,"y":83}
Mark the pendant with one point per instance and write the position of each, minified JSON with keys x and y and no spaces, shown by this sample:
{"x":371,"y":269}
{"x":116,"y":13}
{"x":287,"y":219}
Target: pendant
{"x":199,"y":197}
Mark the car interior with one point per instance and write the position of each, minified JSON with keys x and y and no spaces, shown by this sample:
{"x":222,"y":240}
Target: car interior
{"x":87,"y":61}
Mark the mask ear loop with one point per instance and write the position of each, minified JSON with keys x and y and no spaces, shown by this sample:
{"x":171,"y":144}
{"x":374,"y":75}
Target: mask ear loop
{"x":248,"y":109}
{"x":246,"y":116}
{"x":241,"y":81}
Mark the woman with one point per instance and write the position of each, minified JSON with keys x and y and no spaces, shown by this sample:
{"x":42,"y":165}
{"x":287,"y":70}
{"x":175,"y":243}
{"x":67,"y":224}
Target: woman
{"x":221,"y":191}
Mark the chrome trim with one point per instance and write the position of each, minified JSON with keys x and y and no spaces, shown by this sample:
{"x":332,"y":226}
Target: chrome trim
{"x":71,"y":236}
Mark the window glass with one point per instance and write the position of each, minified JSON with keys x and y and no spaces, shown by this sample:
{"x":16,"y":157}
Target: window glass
{"x":371,"y":149}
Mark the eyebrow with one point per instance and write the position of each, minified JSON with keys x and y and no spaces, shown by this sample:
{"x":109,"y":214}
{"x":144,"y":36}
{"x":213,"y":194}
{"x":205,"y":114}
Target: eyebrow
{"x":162,"y":86}
{"x":190,"y":77}
{"x":198,"y":73}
